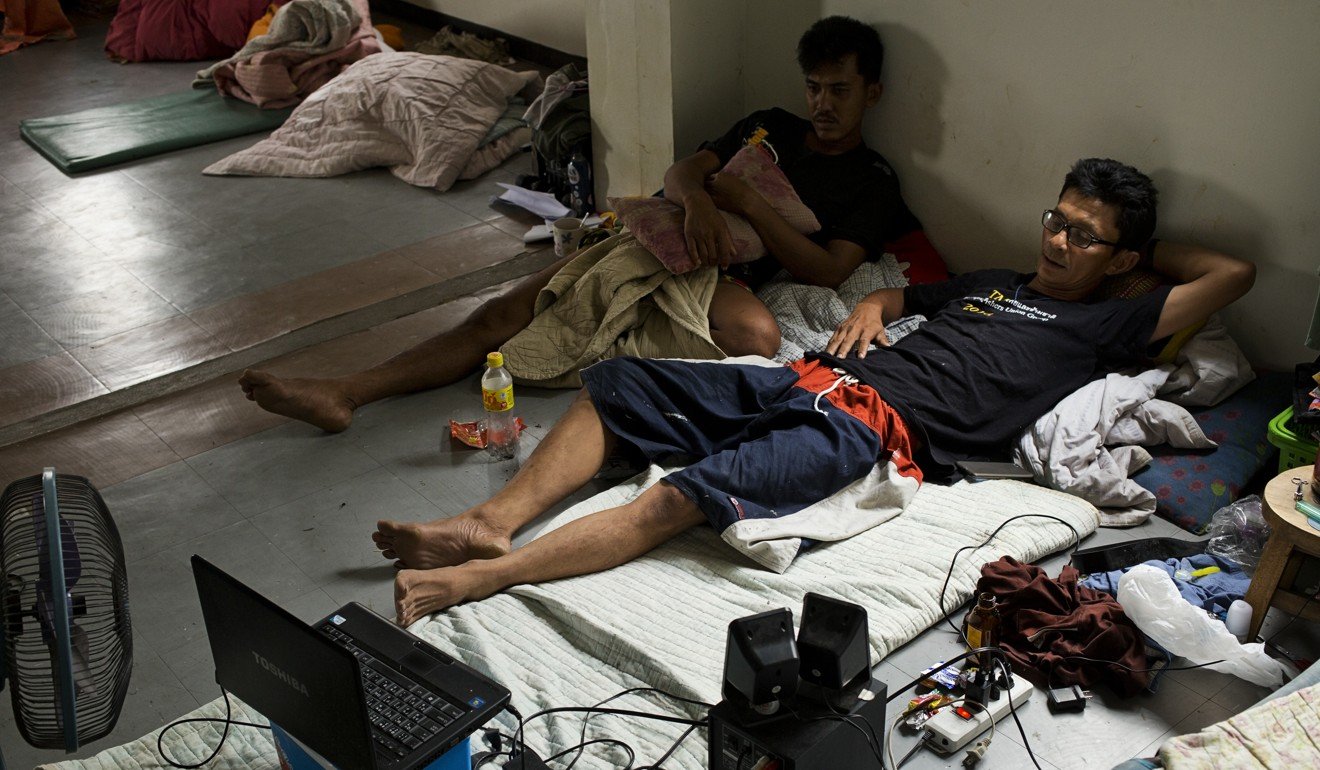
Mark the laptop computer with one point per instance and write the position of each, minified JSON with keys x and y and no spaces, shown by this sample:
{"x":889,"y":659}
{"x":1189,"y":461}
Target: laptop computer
{"x":355,"y":688}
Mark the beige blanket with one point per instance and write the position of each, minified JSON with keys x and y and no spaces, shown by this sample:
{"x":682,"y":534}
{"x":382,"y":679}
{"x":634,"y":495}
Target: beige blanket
{"x":613,"y":299}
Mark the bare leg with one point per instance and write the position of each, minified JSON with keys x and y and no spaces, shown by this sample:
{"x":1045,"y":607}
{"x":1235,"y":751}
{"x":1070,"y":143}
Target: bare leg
{"x":571,"y":453}
{"x":741,"y":324}
{"x":447,"y":357}
{"x":593,"y":543}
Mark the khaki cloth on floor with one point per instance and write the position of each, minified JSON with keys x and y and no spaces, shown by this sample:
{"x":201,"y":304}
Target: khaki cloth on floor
{"x":613,"y":299}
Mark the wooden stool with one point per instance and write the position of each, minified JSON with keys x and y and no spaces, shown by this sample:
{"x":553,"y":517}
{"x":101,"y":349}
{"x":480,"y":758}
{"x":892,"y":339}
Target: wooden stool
{"x":1290,"y":539}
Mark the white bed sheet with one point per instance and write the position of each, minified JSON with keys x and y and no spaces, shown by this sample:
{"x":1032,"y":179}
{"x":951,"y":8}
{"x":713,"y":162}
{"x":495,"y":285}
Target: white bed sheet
{"x":661,"y":620}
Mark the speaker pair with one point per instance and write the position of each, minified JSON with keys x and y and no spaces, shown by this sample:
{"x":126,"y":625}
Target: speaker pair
{"x":763,"y":663}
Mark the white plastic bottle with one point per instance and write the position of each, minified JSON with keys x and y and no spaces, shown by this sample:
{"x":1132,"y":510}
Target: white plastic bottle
{"x":497,"y":397}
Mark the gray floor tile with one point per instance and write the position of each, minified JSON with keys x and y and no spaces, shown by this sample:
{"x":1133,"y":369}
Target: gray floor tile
{"x":312,"y":607}
{"x":1202,"y":717}
{"x":21,"y":338}
{"x":373,"y":189}
{"x":328,"y":533}
{"x":1239,"y":694}
{"x":166,"y":507}
{"x":228,"y":274}
{"x":178,"y":247}
{"x":112,"y":207}
{"x":165,"y":608}
{"x":371,"y":592}
{"x":60,"y":274}
{"x":280,"y":465}
{"x":473,"y":196}
{"x":409,"y":436}
{"x":35,"y":242}
{"x":113,"y":308}
{"x":1110,"y":730}
{"x":193,"y":665}
{"x":416,"y":220}
{"x":311,"y":250}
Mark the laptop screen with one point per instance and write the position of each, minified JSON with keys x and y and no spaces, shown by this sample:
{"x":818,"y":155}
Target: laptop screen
{"x":284,"y":669}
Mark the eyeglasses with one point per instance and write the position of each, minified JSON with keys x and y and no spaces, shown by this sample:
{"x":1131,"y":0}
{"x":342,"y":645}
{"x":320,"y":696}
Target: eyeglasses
{"x":1053,"y":221}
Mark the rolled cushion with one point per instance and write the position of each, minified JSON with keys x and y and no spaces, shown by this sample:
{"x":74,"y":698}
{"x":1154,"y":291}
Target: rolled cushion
{"x":658,"y":223}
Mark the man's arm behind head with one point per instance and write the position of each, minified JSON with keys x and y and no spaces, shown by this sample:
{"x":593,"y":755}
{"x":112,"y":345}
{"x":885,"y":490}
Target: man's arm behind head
{"x":1207,"y":281}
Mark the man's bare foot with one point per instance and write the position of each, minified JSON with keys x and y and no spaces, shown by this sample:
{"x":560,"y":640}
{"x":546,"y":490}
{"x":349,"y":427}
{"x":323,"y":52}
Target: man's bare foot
{"x":418,"y":593}
{"x":313,"y":401}
{"x":440,"y":543}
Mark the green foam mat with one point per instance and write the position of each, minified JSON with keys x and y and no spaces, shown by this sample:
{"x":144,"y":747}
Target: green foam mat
{"x":82,"y":141}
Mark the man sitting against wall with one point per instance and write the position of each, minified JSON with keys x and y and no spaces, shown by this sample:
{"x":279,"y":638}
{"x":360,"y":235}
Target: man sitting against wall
{"x":850,"y":188}
{"x":764,"y":443}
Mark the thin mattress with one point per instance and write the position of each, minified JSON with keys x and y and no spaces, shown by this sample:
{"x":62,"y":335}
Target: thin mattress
{"x":661,"y":620}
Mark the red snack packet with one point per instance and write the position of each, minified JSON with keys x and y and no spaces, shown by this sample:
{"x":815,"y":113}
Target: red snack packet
{"x":474,"y":433}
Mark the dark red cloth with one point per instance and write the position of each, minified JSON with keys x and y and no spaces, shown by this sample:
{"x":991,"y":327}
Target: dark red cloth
{"x":181,"y":30}
{"x":1044,"y":620}
{"x":925,"y":265}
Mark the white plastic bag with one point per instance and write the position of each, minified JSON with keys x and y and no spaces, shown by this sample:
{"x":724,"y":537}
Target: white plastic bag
{"x":1150,"y":598}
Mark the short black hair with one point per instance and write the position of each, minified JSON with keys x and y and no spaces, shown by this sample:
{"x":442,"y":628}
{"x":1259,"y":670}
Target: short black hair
{"x":834,"y":37}
{"x":1123,"y":187}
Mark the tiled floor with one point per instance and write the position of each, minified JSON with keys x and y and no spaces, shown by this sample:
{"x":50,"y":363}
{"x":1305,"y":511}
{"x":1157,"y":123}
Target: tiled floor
{"x":117,"y":278}
{"x":180,"y":264}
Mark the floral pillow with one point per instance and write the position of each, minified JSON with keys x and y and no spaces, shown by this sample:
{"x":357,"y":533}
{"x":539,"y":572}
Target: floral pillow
{"x":658,"y":223}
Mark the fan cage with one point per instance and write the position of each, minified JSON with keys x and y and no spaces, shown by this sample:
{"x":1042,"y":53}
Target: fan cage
{"x":100,"y":626}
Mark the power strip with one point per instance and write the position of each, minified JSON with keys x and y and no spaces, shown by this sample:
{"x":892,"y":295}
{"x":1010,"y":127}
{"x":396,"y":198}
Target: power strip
{"x":946,"y":732}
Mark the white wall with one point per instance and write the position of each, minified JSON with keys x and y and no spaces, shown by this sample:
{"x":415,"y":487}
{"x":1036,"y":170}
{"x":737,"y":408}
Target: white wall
{"x":986,"y":104}
{"x":632,"y":136}
{"x":560,"y":24}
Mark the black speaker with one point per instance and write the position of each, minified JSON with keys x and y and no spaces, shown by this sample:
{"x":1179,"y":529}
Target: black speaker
{"x":761,"y":662}
{"x":832,"y":642}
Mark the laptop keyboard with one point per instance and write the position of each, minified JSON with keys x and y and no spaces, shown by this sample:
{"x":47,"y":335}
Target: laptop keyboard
{"x":403,"y":715}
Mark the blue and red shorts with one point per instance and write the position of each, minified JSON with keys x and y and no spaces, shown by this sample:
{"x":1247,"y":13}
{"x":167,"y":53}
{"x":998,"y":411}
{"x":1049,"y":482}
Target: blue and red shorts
{"x":758,"y":441}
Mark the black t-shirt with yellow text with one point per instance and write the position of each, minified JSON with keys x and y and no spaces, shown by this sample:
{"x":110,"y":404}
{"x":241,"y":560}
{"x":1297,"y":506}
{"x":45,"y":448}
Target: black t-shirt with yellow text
{"x":994,"y":356}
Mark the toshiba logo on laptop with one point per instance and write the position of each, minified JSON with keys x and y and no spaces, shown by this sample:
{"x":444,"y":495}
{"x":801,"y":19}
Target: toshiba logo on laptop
{"x":280,"y":674}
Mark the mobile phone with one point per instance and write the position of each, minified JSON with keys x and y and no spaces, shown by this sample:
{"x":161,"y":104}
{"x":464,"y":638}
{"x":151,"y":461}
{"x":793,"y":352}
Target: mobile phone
{"x":979,"y":470}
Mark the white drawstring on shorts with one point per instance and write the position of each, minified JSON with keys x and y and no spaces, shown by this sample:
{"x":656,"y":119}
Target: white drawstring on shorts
{"x":844,"y":379}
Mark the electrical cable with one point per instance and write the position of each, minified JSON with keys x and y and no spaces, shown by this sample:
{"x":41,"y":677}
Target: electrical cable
{"x":160,"y":746}
{"x":618,"y":712}
{"x":583,"y":735}
{"x":659,"y":763}
{"x":1001,"y":660}
{"x":869,"y":737}
{"x":860,"y":720}
{"x":632,"y":757}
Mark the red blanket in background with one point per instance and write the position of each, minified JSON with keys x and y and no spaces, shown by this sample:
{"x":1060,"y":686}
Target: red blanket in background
{"x":181,"y":30}
{"x":31,"y":21}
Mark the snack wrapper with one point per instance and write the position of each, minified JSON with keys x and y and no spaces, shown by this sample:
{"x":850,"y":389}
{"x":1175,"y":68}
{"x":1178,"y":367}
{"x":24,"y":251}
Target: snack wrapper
{"x":474,"y":433}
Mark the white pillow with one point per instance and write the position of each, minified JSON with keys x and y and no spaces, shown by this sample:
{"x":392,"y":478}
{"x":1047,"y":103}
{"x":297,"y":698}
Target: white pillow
{"x":418,"y":114}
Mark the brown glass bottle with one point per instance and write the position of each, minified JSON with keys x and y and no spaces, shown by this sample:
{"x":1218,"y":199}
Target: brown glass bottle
{"x":981,"y":626}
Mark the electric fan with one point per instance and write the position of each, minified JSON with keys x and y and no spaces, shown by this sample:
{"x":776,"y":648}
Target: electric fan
{"x":65,"y":634}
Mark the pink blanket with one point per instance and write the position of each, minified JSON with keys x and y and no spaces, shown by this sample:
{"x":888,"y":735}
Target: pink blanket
{"x":309,"y":43}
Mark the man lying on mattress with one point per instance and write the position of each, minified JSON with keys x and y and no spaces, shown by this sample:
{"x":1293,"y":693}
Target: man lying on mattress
{"x":764,"y":443}
{"x":850,"y":188}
